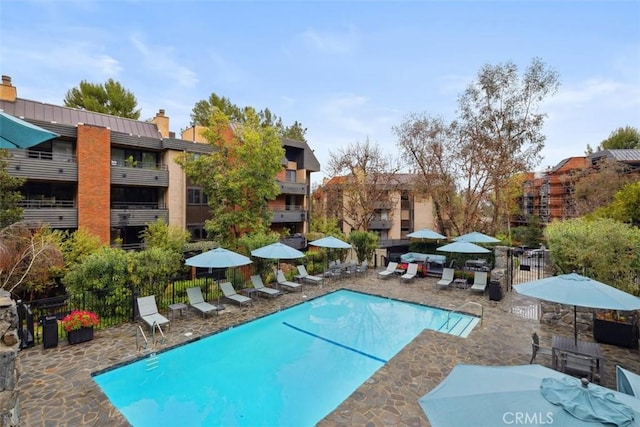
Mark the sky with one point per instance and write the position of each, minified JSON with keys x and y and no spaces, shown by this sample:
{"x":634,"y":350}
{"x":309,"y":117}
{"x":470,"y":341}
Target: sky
{"x":348,"y":71}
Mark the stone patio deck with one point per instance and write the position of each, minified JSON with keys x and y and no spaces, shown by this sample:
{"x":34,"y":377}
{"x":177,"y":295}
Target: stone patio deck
{"x":56,"y":388}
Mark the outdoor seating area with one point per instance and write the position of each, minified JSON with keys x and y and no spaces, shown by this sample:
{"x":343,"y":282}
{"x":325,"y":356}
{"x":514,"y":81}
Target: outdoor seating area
{"x":503,"y":339}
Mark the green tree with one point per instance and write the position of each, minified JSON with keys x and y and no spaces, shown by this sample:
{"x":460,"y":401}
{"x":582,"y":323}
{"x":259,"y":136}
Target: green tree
{"x":364,"y":243}
{"x":10,"y":195}
{"x":625,"y":206}
{"x":78,"y":245}
{"x":602,"y":249}
{"x":622,"y":138}
{"x":109,"y":98}
{"x":159,"y":234}
{"x":103,"y":274}
{"x":202,"y":114}
{"x":238,"y":176}
{"x":151,"y":270}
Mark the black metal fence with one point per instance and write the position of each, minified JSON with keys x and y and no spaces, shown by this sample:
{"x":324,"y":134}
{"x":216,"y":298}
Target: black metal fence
{"x":113,"y":307}
{"x":526,"y":266}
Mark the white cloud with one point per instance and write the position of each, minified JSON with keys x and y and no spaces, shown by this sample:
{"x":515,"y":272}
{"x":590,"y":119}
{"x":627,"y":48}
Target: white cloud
{"x":332,"y":42}
{"x":161,"y":60}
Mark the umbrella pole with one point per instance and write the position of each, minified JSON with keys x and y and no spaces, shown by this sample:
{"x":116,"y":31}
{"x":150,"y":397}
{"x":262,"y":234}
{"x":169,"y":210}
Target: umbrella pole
{"x":575,"y":327}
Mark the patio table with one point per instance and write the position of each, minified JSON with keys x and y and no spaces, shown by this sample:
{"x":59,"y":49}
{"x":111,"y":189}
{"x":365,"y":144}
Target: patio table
{"x":583,"y":348}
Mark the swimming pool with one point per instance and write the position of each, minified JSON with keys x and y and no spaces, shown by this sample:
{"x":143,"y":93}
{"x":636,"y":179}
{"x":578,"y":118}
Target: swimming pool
{"x":290,"y":368}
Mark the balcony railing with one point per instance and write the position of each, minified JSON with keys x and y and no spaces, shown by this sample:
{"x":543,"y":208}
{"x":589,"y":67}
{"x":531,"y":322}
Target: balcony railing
{"x":287,"y":187}
{"x":45,"y":203}
{"x":42,"y":165}
{"x":137,"y":205}
{"x":380,"y":224}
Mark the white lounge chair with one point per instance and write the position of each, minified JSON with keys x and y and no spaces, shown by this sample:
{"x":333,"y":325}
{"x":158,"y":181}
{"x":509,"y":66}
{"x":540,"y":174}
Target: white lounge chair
{"x":197,"y":301}
{"x":148,"y":311}
{"x":283,"y":282}
{"x":304,"y":275}
{"x":412,"y":270}
{"x":230,"y":294}
{"x":391,"y":268}
{"x":258,"y":284}
{"x":479,"y":281}
{"x":447,"y":278}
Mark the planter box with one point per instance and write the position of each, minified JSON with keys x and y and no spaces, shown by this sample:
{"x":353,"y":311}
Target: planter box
{"x":615,"y":333}
{"x":80,"y":335}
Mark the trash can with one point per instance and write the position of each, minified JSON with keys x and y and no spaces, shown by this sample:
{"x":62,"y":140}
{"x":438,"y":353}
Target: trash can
{"x":49,"y":331}
{"x":495,"y":291}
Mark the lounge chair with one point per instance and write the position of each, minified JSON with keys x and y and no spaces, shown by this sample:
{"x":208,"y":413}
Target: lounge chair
{"x":197,"y":301}
{"x":284,"y":283}
{"x":412,"y":270}
{"x":536,"y":349}
{"x":447,"y":278}
{"x":479,"y":281}
{"x":304,"y":275}
{"x":391,"y":268}
{"x":148,"y":311}
{"x":231,"y":295}
{"x":261,"y":289}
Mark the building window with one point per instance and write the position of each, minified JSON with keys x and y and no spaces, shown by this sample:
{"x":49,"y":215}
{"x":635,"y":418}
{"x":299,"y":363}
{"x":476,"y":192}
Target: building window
{"x":193,"y":196}
{"x":290,"y":175}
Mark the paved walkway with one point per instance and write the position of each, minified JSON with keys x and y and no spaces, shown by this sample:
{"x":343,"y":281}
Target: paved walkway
{"x":56,"y":388}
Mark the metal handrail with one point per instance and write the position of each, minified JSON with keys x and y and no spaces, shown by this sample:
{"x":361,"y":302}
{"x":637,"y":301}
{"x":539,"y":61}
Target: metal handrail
{"x":146,"y":342}
{"x":468,"y":302}
{"x":153,"y":333}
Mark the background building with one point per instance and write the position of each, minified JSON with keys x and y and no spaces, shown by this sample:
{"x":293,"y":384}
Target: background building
{"x":113,"y":175}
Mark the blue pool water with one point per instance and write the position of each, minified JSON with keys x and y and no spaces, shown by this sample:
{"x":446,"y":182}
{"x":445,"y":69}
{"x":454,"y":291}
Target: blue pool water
{"x":290,"y":368}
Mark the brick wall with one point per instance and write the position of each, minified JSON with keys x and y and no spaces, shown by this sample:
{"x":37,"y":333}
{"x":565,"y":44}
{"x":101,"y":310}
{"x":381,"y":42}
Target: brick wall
{"x":94,"y":176}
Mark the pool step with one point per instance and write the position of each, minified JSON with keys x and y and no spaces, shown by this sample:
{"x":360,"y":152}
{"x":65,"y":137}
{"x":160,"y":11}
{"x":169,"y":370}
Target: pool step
{"x":152,"y":362}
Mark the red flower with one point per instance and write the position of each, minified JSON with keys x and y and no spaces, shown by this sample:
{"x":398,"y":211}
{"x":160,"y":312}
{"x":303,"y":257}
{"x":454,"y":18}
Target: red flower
{"x":78,"y":319}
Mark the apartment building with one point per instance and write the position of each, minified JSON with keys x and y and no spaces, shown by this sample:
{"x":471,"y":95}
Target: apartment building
{"x":549,"y":194}
{"x":398,"y":210}
{"x":113,"y":175}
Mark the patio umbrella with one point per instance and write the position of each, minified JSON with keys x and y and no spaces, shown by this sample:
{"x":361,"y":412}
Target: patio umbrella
{"x":576,"y":290}
{"x":627,"y":382}
{"x":479,"y":396}
{"x":277,"y":251}
{"x":330,"y":242}
{"x":17,"y":133}
{"x":463,"y":247}
{"x":426,"y":233}
{"x":476,"y":237}
{"x":218,"y":258}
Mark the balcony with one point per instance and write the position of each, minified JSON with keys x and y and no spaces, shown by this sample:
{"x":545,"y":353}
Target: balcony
{"x":380,"y":224}
{"x":286,"y":187}
{"x":42,"y":165}
{"x":296,"y":242}
{"x":291,"y":213}
{"x":56,"y":213}
{"x":124,"y":214}
{"x":142,"y":174}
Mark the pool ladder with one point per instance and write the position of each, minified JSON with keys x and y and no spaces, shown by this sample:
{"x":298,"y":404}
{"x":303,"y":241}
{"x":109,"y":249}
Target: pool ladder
{"x":457,"y":309}
{"x":141,"y":337}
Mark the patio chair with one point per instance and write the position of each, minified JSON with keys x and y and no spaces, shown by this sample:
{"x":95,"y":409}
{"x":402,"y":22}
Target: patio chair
{"x":536,"y":349}
{"x":304,"y":275}
{"x":286,"y":284}
{"x":412,"y":270}
{"x":362,"y":268}
{"x":391,"y":268}
{"x":479,"y":281}
{"x":263,"y":290}
{"x":197,"y":301}
{"x":148,"y":311}
{"x":231,"y":295}
{"x":447,"y":278}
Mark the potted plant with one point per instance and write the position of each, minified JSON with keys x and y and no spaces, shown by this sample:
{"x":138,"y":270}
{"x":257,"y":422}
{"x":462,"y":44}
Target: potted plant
{"x":79,"y":325}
